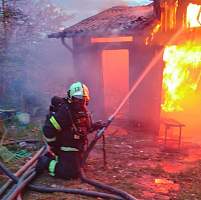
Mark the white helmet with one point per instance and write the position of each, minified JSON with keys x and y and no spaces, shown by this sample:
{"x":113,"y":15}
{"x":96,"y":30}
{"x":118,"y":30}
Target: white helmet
{"x":78,"y":90}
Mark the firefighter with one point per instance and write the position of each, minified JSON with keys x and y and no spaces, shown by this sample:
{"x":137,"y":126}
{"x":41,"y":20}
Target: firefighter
{"x":65,"y":131}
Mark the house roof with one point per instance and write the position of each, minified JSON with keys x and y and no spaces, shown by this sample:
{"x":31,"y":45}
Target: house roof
{"x":114,"y":21}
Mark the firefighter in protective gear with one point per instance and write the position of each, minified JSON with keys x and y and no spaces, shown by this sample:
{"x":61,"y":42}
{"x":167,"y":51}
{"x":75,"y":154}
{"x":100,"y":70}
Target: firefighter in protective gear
{"x":65,"y":130}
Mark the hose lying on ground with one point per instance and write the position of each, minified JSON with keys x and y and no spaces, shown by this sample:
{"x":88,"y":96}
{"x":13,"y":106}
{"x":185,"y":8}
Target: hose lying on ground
{"x":23,"y":168}
{"x":75,"y":191}
{"x":103,"y":186}
{"x":118,"y":194}
{"x":21,"y":183}
{"x":8,"y":173}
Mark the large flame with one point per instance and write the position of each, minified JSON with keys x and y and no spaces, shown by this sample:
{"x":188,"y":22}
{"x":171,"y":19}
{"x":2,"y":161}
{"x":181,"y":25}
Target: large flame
{"x":193,"y":15}
{"x":181,"y":74}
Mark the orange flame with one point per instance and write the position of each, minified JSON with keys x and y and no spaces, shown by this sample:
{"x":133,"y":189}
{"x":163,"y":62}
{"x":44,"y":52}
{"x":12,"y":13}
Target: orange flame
{"x":181,"y":74}
{"x":193,"y":15}
{"x":155,"y":30}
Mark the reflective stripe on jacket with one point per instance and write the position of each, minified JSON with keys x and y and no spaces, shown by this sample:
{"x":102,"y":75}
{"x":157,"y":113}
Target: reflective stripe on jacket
{"x":68,"y":149}
{"x":55,"y":123}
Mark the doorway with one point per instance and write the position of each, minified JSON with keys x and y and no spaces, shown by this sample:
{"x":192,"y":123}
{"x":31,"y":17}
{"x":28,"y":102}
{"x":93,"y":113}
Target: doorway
{"x":115,"y":66}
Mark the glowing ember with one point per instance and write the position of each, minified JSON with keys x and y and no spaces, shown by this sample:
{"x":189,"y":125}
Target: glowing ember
{"x":165,"y":185}
{"x":193,"y":15}
{"x":163,"y":181}
{"x":181,"y":74}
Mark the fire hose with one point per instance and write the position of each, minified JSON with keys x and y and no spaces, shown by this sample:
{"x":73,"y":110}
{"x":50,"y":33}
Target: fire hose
{"x":100,"y":133}
{"x":22,"y":170}
{"x":108,"y":188}
{"x":121,"y":194}
{"x":29,"y":175}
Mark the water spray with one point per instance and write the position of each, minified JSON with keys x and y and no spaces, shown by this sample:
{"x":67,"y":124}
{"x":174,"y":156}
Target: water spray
{"x":119,"y":193}
{"x":135,"y":85}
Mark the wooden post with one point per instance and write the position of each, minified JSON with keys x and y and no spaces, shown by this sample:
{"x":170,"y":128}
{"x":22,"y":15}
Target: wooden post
{"x":165,"y":139}
{"x":181,"y":13}
{"x":157,"y":8}
{"x":180,"y":137}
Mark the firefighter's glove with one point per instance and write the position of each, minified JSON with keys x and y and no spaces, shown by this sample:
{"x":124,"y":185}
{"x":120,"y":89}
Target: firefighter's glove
{"x":98,"y":125}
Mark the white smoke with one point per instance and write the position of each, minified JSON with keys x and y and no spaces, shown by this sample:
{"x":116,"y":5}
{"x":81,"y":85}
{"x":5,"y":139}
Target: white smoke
{"x":82,"y":9}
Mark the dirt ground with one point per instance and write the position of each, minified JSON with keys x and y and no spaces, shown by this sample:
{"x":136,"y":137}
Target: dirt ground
{"x":139,"y":164}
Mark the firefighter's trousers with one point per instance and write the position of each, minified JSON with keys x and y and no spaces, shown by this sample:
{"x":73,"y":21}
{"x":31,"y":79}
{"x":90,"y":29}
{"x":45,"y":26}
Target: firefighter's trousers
{"x":66,"y":164}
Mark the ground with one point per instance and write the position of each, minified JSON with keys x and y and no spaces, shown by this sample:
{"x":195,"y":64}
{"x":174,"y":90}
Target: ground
{"x":139,"y":164}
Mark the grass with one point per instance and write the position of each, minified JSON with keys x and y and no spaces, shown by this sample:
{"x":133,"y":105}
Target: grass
{"x":15,"y":132}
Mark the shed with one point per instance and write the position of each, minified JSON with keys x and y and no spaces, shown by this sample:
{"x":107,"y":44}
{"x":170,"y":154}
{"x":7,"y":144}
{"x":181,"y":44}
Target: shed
{"x":110,"y":53}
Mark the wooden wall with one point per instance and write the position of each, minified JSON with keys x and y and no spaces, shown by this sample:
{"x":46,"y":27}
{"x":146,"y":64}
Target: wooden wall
{"x":144,"y":104}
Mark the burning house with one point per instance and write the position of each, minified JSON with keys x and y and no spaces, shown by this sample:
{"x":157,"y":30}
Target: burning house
{"x":180,"y":35}
{"x":112,"y":49}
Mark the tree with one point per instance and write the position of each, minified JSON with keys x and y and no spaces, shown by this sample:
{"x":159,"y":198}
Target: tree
{"x":25,"y":24}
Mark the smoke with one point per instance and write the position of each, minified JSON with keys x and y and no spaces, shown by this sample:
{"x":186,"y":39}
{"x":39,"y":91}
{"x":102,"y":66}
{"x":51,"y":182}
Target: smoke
{"x":86,"y":8}
{"x":40,"y":67}
{"x":36,"y":67}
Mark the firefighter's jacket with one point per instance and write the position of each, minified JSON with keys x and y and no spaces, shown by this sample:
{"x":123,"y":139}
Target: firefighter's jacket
{"x":67,"y":128}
